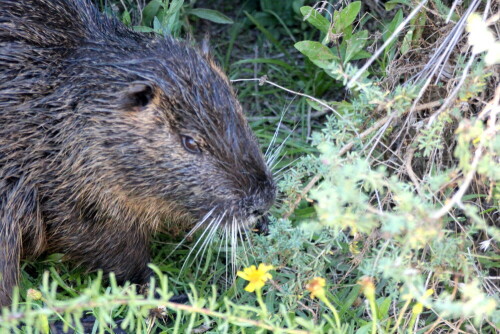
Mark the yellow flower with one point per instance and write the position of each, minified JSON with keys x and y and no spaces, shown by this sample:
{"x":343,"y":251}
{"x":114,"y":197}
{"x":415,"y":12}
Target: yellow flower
{"x":34,"y":294}
{"x":367,"y":286}
{"x":417,"y":308}
{"x":428,"y":293}
{"x":354,"y":247}
{"x":256,"y":276}
{"x":315,"y":287}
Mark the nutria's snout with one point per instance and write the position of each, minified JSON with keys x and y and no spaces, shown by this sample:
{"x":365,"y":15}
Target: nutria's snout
{"x":262,"y":202}
{"x":258,"y":204}
{"x":240,"y":207}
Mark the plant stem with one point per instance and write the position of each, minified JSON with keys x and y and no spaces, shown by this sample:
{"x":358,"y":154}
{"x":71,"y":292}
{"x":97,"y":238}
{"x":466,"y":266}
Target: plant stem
{"x":373,"y":307}
{"x":400,"y":317}
{"x":332,"y":308}
{"x":263,"y":306}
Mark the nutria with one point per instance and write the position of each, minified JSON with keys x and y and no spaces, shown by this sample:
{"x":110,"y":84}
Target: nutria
{"x":108,"y":136}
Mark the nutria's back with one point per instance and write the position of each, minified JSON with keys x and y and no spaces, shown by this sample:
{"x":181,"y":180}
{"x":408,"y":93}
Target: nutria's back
{"x":109,"y":135}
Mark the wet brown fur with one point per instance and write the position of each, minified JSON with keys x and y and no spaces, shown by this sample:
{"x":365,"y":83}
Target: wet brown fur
{"x":91,"y":157}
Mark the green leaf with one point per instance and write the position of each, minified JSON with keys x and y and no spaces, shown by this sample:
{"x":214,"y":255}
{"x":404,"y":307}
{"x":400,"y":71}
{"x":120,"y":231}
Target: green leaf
{"x":365,"y":329}
{"x":346,"y":16}
{"x":317,"y":20}
{"x":339,"y":51}
{"x":361,"y":55}
{"x":143,"y":29}
{"x":149,"y":12}
{"x":315,"y":105}
{"x":383,"y":306}
{"x":406,"y":45}
{"x":355,"y":44}
{"x":319,"y":54}
{"x":170,"y":20}
{"x":442,"y":8}
{"x":389,"y":5}
{"x":175,"y":6}
{"x":351,"y":297}
{"x":210,"y":15}
{"x":391,"y":27}
{"x":492,"y":261}
{"x":42,"y":323}
{"x":126,"y":18}
{"x":419,"y":24}
{"x":157,"y":25}
{"x":283,"y":24}
{"x":303,"y":322}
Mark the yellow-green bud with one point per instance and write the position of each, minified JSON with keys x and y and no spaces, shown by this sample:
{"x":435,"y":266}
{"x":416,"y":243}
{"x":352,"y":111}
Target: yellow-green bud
{"x":34,"y":294}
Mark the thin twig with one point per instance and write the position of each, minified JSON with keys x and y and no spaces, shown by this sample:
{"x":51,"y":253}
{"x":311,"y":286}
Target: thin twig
{"x":463,"y":188}
{"x":303,"y":193}
{"x":382,"y":121}
{"x":411,"y":173}
{"x":367,"y":132}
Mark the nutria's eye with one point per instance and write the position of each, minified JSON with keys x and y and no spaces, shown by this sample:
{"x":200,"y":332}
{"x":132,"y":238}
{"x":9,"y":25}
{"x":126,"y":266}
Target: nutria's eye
{"x":190,"y":144}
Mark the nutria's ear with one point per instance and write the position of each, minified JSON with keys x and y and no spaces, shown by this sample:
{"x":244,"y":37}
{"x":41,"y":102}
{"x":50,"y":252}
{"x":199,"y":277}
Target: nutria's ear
{"x":137,"y":96}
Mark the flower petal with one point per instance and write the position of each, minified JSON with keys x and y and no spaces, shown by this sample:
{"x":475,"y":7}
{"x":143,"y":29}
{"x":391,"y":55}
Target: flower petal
{"x":250,"y":287}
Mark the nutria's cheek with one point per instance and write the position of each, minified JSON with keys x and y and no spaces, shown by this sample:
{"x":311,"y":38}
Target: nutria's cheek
{"x":197,"y":191}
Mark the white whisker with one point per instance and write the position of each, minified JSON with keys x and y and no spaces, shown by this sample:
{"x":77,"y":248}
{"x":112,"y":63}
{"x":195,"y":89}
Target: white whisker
{"x":240,"y":234}
{"x":206,"y":243}
{"x":234,"y":246}
{"x":275,"y":154}
{"x":212,"y":222}
{"x":193,"y":230}
{"x":277,"y":173}
{"x":276,"y":132}
{"x":220,"y":240}
{"x":250,"y":245}
{"x":226,"y":229}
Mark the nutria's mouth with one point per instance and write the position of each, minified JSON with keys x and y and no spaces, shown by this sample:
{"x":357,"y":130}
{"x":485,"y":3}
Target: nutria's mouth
{"x":218,"y":218}
{"x":189,"y":223}
{"x":228,"y":230}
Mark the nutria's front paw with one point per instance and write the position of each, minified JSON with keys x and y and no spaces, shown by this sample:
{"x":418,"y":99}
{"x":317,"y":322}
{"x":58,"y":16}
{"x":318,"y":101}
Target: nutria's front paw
{"x":179,"y":299}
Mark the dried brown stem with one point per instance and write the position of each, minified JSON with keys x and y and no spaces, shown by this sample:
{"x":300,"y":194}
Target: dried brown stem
{"x":303,"y":193}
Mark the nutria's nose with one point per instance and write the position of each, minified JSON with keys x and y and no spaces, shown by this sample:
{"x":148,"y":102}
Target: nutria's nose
{"x":264,"y":198}
{"x":258,"y":212}
{"x":258,"y":201}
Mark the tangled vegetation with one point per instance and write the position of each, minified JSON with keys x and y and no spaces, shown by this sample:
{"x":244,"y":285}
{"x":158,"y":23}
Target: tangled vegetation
{"x":381,"y":122}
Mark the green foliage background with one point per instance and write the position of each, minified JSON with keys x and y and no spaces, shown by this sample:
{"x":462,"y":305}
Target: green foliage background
{"x":385,"y":182}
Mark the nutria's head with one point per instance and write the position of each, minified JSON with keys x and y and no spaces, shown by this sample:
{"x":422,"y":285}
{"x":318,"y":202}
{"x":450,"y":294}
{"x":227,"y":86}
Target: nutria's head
{"x":167,"y":134}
